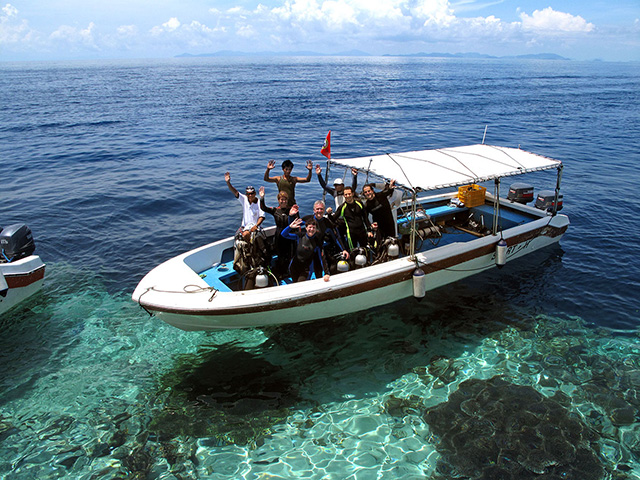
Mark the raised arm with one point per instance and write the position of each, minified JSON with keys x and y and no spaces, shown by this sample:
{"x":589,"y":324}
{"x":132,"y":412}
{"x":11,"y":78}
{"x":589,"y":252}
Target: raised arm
{"x":354,"y":177}
{"x":323,"y":184}
{"x":308,"y":177}
{"x":263,"y":206}
{"x":389,"y":188}
{"x":227,"y":178}
{"x":270,"y":166}
{"x":294,"y":212}
{"x":286,"y":231}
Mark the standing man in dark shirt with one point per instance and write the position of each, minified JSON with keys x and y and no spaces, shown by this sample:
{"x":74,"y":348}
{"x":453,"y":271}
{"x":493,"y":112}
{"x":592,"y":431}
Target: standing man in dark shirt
{"x":378,"y":206}
{"x":355,"y":218}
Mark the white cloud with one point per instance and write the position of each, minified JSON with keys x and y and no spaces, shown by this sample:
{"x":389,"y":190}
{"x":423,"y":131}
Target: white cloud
{"x":367,"y":14}
{"x":13,"y":30}
{"x":9,"y":10}
{"x":75,"y":36}
{"x":332,"y":25}
{"x":172,"y":24}
{"x":549,"y":20}
{"x":127,"y":30}
{"x":377,"y":26}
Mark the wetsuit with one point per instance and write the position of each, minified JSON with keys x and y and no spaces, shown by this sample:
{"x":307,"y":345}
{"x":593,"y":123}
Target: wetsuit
{"x":332,"y":243}
{"x":306,"y":250}
{"x":283,"y":246}
{"x":356,"y":223}
{"x":380,"y":211}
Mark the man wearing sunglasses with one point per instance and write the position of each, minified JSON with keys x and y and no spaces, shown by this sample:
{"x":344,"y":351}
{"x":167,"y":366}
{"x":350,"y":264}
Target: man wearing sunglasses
{"x":252,"y":214}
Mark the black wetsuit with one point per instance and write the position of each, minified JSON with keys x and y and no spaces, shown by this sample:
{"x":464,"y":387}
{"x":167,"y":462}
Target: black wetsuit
{"x":283,"y":246}
{"x":332,"y":243}
{"x":307,"y":249}
{"x":356,"y":223}
{"x":380,"y":211}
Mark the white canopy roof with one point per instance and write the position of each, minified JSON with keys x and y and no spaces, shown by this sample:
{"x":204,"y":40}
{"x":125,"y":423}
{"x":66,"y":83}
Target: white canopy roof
{"x":450,"y":167}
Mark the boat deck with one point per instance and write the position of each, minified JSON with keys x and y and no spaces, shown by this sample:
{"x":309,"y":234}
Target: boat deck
{"x":454,"y":225}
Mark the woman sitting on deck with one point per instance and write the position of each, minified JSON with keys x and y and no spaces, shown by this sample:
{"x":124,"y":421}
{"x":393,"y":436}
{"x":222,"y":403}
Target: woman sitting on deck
{"x":309,"y":246}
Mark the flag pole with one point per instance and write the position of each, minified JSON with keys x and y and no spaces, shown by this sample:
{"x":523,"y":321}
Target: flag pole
{"x":326,"y":151}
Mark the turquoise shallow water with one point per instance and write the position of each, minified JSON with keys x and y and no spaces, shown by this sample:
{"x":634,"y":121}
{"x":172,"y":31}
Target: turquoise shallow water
{"x":119,"y":395}
{"x":527,"y":372}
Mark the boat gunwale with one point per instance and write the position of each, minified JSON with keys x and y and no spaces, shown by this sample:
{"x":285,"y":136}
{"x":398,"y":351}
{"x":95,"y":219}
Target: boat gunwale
{"x":317,"y":291}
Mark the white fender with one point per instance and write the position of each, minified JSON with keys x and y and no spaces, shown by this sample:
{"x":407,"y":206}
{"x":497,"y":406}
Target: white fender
{"x":419,"y":283}
{"x":501,"y":253}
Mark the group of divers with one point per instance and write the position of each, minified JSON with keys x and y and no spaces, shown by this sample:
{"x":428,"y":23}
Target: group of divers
{"x":320,"y":244}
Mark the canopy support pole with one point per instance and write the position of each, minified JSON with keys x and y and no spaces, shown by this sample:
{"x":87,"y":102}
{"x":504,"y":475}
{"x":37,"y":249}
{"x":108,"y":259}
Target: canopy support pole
{"x":414,"y":210}
{"x":326,"y":178}
{"x":555,"y":201}
{"x":496,"y":206}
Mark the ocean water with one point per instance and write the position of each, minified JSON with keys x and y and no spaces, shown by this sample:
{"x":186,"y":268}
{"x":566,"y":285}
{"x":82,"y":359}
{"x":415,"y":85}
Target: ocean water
{"x":529,"y":372}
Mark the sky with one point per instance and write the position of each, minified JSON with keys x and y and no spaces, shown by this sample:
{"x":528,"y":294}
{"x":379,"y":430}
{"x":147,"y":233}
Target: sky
{"x":96,"y":29}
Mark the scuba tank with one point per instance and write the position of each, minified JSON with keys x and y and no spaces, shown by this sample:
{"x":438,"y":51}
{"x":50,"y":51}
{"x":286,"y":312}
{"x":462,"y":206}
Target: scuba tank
{"x":343,"y":266}
{"x":262,"y":280}
{"x":393,"y":250}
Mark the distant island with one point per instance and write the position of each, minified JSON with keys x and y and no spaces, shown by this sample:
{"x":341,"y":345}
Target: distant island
{"x":358,"y":53}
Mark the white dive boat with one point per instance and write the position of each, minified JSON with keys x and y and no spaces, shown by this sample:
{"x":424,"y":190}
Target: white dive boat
{"x":21,"y":272}
{"x":446,"y":237}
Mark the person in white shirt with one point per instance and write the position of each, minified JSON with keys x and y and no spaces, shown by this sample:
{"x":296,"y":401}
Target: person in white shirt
{"x":252,"y":214}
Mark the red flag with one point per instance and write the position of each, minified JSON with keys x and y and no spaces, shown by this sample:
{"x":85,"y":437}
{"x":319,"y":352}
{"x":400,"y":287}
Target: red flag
{"x":326,"y":147}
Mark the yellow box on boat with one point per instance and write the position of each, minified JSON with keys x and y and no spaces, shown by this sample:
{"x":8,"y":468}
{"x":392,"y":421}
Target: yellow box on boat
{"x":472,"y":195}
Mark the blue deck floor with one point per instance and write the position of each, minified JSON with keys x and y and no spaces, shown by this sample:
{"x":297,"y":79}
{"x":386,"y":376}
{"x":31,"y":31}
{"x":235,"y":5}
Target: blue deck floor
{"x":220,"y":276}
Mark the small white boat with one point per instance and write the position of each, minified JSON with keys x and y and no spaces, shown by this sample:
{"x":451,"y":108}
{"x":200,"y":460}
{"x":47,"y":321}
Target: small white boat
{"x":447,"y":237}
{"x":21,"y":272}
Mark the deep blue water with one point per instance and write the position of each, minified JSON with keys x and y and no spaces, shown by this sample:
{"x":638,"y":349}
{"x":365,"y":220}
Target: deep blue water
{"x":117,"y":166}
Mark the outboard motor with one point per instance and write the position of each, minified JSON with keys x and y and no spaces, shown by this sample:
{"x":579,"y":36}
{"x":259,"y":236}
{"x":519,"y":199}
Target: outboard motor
{"x":520,"y":193}
{"x":546,"y":198}
{"x":16,"y":242}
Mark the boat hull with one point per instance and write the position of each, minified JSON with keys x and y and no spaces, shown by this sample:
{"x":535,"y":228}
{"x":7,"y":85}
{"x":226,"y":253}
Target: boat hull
{"x":201,"y":307}
{"x":23,"y":278}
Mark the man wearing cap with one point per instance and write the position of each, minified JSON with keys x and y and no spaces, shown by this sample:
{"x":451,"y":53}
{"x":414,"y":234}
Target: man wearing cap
{"x":338,"y":185}
{"x":252,"y":214}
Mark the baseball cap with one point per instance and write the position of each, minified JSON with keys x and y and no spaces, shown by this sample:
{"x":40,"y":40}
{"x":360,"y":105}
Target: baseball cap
{"x":338,"y":181}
